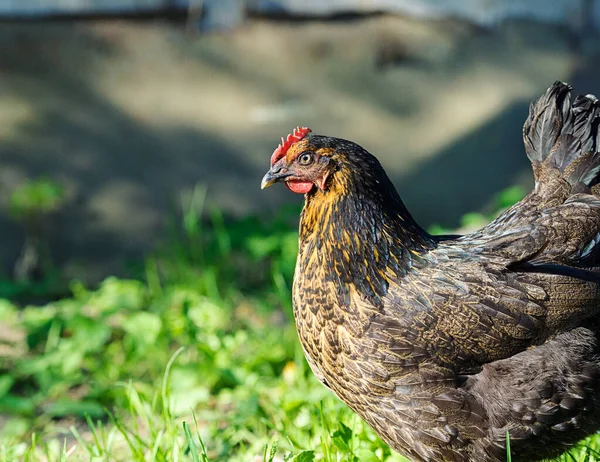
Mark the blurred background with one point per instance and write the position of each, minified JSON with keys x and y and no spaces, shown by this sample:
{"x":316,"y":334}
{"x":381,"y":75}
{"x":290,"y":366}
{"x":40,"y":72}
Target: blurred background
{"x":133,"y":138}
{"x":129,"y":104}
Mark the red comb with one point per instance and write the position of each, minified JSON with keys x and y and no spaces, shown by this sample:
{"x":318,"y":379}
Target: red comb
{"x":298,"y":134}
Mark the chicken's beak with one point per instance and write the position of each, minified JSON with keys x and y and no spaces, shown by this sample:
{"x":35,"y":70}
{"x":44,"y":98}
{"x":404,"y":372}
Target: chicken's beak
{"x":276,"y":174}
{"x":268,"y":180}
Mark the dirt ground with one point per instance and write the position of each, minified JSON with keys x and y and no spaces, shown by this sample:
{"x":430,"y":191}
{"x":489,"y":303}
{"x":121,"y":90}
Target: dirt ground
{"x":131,"y":116}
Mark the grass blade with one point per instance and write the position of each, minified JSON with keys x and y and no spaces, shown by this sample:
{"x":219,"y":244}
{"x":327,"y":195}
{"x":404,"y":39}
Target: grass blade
{"x":191,"y":444}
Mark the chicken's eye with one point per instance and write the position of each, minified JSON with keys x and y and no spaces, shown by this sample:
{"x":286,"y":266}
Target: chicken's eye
{"x":305,"y":159}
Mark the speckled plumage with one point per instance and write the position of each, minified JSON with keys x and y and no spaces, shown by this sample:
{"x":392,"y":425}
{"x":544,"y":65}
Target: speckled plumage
{"x":443,"y":344}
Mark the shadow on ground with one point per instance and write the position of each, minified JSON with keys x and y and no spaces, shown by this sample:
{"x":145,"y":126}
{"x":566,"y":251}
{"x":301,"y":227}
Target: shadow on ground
{"x":468,"y":174}
{"x":122,"y":175}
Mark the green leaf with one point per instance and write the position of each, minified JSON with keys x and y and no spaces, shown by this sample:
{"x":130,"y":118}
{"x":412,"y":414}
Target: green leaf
{"x":437,"y":229}
{"x":473,"y":220}
{"x":65,"y":407}
{"x":36,"y":197}
{"x":118,"y":295}
{"x":510,"y":196}
{"x":144,"y":326}
{"x":342,"y":437}
{"x":17,"y":405}
{"x":304,"y":456}
{"x":366,"y":455}
{"x":189,"y":388}
{"x":8,"y":311}
{"x":6,"y":383}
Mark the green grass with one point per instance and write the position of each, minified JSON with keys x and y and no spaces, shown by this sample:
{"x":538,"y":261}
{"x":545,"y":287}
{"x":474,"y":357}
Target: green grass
{"x":197,"y":359}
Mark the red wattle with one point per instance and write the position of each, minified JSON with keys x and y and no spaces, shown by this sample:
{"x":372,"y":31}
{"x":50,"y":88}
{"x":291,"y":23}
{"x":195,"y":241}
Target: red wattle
{"x":299,"y":187}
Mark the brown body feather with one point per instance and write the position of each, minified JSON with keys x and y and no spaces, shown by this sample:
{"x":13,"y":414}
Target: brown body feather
{"x":444,"y":344}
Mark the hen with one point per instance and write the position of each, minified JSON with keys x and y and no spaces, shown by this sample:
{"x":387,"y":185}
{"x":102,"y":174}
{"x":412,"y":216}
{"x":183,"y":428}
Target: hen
{"x":443,"y":344}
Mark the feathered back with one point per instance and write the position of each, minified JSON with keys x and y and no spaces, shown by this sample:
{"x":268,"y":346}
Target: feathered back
{"x":564,"y":135}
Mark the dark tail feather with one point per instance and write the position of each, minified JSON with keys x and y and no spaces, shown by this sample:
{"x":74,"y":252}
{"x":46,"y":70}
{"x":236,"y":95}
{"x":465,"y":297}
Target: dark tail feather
{"x":549,"y":117}
{"x":565,"y":135}
{"x":586,"y":112}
